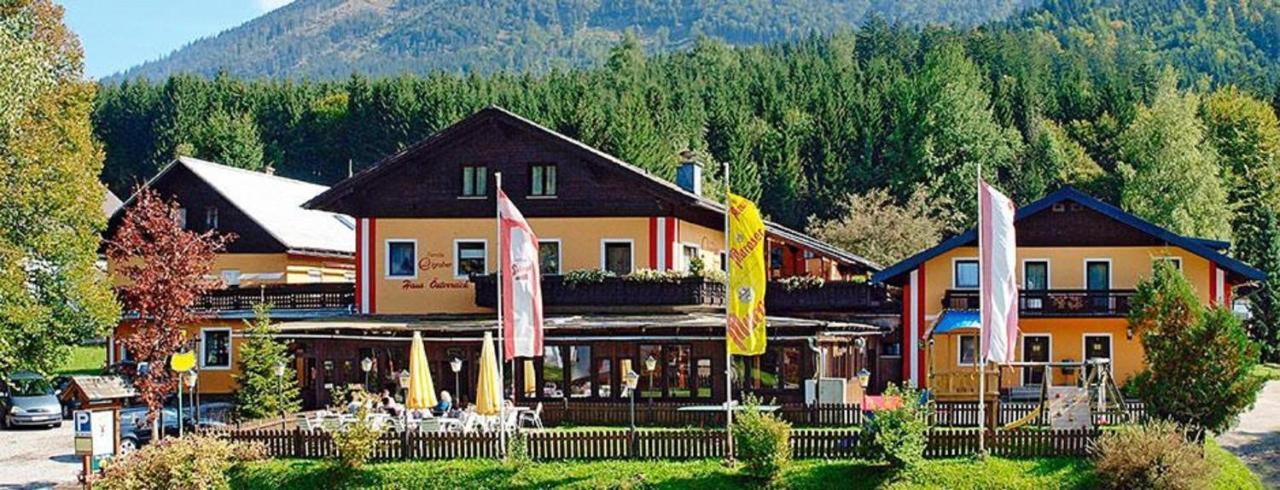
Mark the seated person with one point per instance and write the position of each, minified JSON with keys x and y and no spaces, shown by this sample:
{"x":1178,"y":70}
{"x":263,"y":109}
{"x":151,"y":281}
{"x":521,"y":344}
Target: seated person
{"x":389,"y":404}
{"x":446,"y":402}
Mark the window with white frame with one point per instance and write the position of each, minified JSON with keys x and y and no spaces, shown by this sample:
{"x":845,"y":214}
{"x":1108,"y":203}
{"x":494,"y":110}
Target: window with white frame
{"x":402,"y":259}
{"x":210,"y":218}
{"x":968,"y":349}
{"x":215,"y":348}
{"x":473,"y":181}
{"x":616,"y":256}
{"x":181,"y":217}
{"x":691,"y":254}
{"x":231,"y":277}
{"x":470,"y":257}
{"x":549,"y":257}
{"x":542,"y":180}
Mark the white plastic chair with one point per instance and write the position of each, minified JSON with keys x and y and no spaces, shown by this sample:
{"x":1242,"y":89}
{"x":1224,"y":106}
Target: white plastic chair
{"x":532,"y":418}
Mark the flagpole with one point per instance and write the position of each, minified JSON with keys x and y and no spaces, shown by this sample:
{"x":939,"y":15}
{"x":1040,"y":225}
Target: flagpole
{"x":502,"y":344}
{"x":980,"y":359}
{"x":728,"y":356}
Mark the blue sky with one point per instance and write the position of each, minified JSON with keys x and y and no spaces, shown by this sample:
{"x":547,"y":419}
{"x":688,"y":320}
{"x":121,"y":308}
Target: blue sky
{"x":118,"y":34}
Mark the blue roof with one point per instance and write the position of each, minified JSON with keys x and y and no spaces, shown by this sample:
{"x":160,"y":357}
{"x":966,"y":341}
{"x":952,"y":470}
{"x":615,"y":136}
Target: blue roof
{"x":1207,"y":249}
{"x":953,"y":320}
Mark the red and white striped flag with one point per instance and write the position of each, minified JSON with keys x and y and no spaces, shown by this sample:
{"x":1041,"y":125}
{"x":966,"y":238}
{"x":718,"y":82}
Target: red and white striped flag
{"x":521,"y":283}
{"x":999,"y":293}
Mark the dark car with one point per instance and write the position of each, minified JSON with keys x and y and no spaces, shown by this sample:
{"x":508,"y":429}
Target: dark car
{"x":135,"y":431}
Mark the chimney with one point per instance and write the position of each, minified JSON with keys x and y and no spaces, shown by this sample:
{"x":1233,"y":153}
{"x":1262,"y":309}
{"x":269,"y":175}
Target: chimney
{"x":689,"y":175}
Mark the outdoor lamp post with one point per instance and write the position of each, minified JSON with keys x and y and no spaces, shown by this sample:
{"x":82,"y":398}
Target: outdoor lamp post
{"x":366,"y":365}
{"x":864,"y":379}
{"x":456,"y":366}
{"x":651,"y":365}
{"x":279,"y":369}
{"x":189,"y":379}
{"x":632,"y":379}
{"x":404,"y":384}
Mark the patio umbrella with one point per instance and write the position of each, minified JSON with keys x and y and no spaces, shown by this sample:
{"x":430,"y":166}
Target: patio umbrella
{"x":488,"y":389}
{"x":421,"y":393}
{"x":530,"y":384}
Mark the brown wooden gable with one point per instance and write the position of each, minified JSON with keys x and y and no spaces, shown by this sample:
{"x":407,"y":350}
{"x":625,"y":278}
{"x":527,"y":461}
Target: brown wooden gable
{"x":425,"y":181}
{"x":194,"y":194}
{"x":1070,"y":224}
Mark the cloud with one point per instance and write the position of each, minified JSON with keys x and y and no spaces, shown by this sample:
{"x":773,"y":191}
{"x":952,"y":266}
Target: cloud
{"x":269,"y":5}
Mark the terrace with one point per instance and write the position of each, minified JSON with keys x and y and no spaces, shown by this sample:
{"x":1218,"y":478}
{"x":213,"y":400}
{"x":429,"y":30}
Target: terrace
{"x":1053,"y":302}
{"x":283,"y":298}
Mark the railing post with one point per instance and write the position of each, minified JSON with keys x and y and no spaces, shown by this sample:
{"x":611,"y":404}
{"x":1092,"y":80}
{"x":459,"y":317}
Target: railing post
{"x":405,"y":449}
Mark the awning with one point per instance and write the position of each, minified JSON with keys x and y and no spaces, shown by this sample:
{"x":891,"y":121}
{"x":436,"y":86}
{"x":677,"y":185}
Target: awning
{"x":952,"y":320}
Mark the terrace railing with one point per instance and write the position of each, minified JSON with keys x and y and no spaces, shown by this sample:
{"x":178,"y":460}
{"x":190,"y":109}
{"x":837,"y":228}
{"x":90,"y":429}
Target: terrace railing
{"x":319,"y":296}
{"x":1053,"y":302}
{"x":613,"y":291}
{"x":831,"y":296}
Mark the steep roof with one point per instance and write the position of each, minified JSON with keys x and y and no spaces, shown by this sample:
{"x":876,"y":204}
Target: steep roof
{"x":657,"y":184}
{"x":275,"y":204}
{"x":1208,"y":249}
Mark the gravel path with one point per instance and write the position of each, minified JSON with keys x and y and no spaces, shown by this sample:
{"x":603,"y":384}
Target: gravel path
{"x":1256,"y":441}
{"x":38,"y":458}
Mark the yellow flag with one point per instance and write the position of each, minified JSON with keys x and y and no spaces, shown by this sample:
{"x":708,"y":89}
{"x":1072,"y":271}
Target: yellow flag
{"x":745,"y":324}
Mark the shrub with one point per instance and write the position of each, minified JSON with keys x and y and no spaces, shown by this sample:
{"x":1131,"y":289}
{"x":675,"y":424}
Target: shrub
{"x":898,"y":435}
{"x":192,"y":462}
{"x":655,"y":276}
{"x":800,"y":283}
{"x":586,"y":276}
{"x":763,"y":442}
{"x":355,"y":442}
{"x":1155,"y":455}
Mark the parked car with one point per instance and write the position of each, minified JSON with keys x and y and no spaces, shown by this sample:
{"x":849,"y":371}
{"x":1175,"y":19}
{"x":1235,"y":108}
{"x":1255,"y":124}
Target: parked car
{"x":135,"y":431}
{"x":27,"y":399}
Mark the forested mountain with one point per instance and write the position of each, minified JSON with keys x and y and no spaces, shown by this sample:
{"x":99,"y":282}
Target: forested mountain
{"x":334,"y":38}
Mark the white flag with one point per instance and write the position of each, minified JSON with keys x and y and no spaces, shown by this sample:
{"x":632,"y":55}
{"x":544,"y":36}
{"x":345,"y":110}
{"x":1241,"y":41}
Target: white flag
{"x":521,"y":283}
{"x":999,"y":307}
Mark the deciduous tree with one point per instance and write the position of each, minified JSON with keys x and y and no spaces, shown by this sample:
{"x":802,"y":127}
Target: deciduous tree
{"x":882,"y":230}
{"x":163,"y":270}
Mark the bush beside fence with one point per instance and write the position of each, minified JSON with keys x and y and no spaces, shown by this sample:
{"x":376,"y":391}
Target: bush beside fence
{"x":669,"y":445}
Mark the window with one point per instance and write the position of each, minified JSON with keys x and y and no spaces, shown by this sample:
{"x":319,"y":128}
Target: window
{"x":1175,"y":261}
{"x":650,"y":385}
{"x":604,"y":377}
{"x":966,"y":274}
{"x":1035,"y":275}
{"x":231,"y":277}
{"x":679,"y":375}
{"x":624,"y":367}
{"x":552,"y":372}
{"x":215,"y":348}
{"x":469,"y":258}
{"x":473,"y":181}
{"x":210,"y":218}
{"x":766,"y":377}
{"x":402,"y":257}
{"x":968,"y":349}
{"x":692,"y":255}
{"x":775,"y":258}
{"x":542,"y":180}
{"x":1097,"y":275}
{"x":703,"y":378}
{"x":739,"y":372}
{"x":549,"y":257}
{"x":616,"y":256}
{"x":580,"y":371}
{"x":181,"y":218}
{"x":789,"y":375}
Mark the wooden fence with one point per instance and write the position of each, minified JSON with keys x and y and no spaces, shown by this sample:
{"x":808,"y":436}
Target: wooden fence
{"x":662,"y":444}
{"x":965,"y":414}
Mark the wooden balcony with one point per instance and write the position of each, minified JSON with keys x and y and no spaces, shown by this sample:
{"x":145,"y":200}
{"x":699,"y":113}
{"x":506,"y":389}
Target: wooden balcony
{"x":610,"y":292}
{"x":831,"y":296}
{"x":282,"y":298}
{"x":1053,"y":302}
{"x":962,"y":385}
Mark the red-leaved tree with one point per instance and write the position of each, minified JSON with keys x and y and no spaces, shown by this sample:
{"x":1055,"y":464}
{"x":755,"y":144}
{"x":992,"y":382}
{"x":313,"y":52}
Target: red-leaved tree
{"x":163,"y":269}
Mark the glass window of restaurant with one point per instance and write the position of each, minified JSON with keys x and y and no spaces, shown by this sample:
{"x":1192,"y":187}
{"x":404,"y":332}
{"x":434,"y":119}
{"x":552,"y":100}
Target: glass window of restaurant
{"x":580,"y":371}
{"x":650,"y":385}
{"x":604,"y":378}
{"x":679,"y":379}
{"x":552,"y":372}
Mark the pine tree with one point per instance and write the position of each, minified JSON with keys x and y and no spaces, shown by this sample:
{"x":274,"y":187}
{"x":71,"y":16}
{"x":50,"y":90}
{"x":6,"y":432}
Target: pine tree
{"x":230,"y":140}
{"x":1259,"y":245}
{"x":261,"y":393}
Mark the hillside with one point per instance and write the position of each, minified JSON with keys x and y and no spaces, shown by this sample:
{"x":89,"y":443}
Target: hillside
{"x":328,"y":39}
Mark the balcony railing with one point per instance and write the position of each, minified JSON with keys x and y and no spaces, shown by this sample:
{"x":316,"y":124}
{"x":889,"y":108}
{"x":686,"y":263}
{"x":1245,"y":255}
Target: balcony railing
{"x":319,"y":296}
{"x":613,"y":291}
{"x":831,"y":296}
{"x":1053,"y":302}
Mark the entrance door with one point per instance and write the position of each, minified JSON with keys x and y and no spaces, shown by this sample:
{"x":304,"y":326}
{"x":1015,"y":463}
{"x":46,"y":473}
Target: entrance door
{"x":1096,"y":347}
{"x":1035,"y":348}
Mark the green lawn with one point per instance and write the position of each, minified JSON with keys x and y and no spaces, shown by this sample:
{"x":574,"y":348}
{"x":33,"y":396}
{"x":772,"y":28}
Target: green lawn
{"x":84,"y":359}
{"x":964,"y":473}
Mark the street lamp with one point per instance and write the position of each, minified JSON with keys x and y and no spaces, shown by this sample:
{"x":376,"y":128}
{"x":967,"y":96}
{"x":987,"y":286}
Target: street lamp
{"x":631,"y":379}
{"x":864,"y":379}
{"x":456,"y":365}
{"x":279,"y":370}
{"x":650,"y":365}
{"x":366,"y":365}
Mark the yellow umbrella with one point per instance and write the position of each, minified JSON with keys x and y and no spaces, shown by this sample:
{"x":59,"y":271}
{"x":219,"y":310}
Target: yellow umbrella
{"x":422,"y":392}
{"x":530,"y":385}
{"x":488,"y":388}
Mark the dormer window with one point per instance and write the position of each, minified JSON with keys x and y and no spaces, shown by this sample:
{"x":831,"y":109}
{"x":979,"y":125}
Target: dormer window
{"x":210,"y":218}
{"x":474,"y":178}
{"x":542,"y":180}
